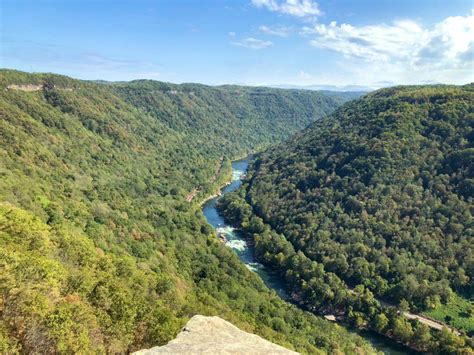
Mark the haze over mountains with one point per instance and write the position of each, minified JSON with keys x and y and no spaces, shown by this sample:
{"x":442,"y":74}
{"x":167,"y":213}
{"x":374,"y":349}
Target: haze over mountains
{"x":344,"y":88}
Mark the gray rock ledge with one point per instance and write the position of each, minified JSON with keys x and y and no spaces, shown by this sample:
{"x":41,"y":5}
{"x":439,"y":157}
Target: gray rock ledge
{"x":213,"y":335}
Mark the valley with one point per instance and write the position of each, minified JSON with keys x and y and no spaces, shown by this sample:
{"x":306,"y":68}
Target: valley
{"x":100,"y":249}
{"x":102,"y":187}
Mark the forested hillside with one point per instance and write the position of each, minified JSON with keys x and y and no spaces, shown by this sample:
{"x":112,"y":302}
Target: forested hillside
{"x":374,"y":201}
{"x":242,"y":119}
{"x":99,"y":249}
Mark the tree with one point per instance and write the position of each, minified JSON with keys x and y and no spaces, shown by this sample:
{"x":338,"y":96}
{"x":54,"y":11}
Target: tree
{"x":404,"y":306}
{"x":422,"y":336}
{"x":448,"y":342}
{"x":381,"y":322}
{"x":402,"y":329}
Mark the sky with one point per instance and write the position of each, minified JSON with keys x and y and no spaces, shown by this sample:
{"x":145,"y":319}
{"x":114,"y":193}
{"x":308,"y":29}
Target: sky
{"x":338,"y":43}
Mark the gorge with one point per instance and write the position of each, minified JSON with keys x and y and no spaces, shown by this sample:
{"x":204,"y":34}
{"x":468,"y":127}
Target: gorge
{"x":100,"y":248}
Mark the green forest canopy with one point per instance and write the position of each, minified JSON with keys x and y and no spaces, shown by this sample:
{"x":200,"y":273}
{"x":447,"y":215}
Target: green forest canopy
{"x":378,"y":194}
{"x":99,"y":250}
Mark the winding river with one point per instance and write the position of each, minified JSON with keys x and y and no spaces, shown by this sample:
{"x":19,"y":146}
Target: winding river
{"x":236,"y":241}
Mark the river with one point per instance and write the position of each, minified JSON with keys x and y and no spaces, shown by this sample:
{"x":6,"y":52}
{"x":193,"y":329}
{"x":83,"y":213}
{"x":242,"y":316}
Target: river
{"x":237,"y":242}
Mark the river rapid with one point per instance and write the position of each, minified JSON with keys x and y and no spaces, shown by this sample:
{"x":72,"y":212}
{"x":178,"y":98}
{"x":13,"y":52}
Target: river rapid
{"x":237,"y":242}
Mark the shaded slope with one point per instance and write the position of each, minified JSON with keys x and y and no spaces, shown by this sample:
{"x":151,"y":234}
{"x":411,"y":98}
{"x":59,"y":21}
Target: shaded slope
{"x":373,"y":201}
{"x":393,"y":173}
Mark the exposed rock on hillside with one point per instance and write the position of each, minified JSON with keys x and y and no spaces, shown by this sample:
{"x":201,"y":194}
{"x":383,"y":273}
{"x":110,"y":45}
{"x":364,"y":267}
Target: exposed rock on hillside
{"x":28,"y":88}
{"x":213,"y":335}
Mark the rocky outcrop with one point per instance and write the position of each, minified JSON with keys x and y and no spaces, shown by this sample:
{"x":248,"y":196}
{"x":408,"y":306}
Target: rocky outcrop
{"x":27,"y":88}
{"x":32,"y":87}
{"x":213,"y":335}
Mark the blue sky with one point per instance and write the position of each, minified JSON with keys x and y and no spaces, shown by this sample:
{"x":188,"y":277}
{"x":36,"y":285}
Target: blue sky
{"x":255,"y":42}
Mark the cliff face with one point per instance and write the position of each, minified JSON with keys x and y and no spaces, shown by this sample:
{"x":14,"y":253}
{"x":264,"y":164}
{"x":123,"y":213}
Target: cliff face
{"x":213,"y":335}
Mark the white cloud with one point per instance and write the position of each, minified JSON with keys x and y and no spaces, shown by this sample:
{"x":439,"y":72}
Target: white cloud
{"x":297,"y":8}
{"x":404,"y":50}
{"x":450,"y":39}
{"x":404,"y":40}
{"x":280,"y":31}
{"x":378,"y":42}
{"x":252,"y":43}
{"x":231,"y":34}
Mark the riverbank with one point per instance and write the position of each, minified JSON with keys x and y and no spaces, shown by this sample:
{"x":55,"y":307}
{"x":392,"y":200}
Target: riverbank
{"x":224,"y":178}
{"x":221,"y":178}
{"x":217,"y":194}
